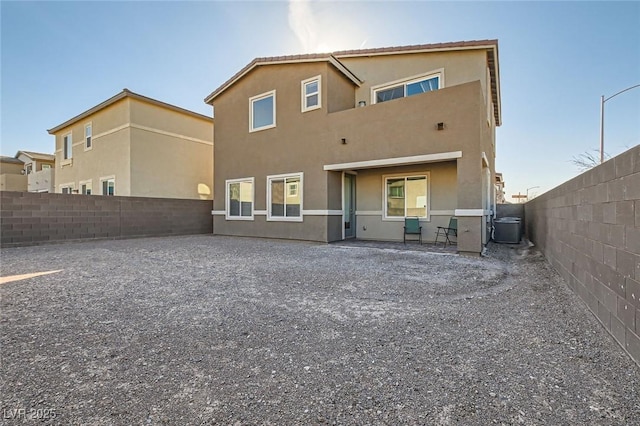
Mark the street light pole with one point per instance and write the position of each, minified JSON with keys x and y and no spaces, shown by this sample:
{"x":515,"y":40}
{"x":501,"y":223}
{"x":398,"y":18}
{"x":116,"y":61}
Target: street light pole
{"x":602,"y":101}
{"x":533,"y":187}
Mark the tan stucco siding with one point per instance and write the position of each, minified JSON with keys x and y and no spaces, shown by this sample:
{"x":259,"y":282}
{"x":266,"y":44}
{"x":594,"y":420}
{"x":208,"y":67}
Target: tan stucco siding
{"x":287,"y":148}
{"x":392,"y":129}
{"x":147,"y":149}
{"x":340,"y":92}
{"x":371,"y":222}
{"x":171,"y":153}
{"x":109,"y":153}
{"x":11,"y":168}
{"x":109,"y":157}
{"x":13,"y":182}
{"x":146,"y":115}
{"x":305,"y":142}
{"x":314,"y":228}
{"x":168,"y":166}
{"x":404,"y":127}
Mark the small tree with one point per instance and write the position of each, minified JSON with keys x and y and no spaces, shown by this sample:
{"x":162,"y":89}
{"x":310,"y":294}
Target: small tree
{"x":588,"y":160}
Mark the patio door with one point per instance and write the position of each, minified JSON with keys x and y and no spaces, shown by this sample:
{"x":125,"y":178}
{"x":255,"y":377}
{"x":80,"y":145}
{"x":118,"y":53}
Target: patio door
{"x":349,"y":213}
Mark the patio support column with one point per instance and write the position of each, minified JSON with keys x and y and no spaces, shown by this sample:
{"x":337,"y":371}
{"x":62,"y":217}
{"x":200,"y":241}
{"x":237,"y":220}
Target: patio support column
{"x":469,"y":210}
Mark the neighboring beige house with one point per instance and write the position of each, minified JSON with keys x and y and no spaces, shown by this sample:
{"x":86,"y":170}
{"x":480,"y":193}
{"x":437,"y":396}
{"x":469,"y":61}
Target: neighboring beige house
{"x":331,"y":146}
{"x":40,"y":170}
{"x":500,"y":198}
{"x":133,"y":145}
{"x":12,"y":174}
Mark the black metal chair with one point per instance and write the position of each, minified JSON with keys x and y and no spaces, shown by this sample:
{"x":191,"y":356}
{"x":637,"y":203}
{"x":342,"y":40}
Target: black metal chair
{"x":446,"y":232}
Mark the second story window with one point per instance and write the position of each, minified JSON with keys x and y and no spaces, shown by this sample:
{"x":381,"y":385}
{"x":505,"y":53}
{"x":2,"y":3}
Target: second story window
{"x":66,"y":147}
{"x":401,"y":89}
{"x":87,"y":136}
{"x":262,"y":111}
{"x":311,"y":94}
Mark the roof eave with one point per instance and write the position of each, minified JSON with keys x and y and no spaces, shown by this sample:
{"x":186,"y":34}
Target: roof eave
{"x":90,"y":111}
{"x":276,"y":61}
{"x":126,"y":93}
{"x":420,"y":48}
{"x":36,"y":155}
{"x":496,"y":78}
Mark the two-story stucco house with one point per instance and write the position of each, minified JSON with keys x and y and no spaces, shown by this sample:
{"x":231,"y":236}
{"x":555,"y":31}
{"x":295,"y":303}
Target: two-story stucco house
{"x":133,"y":145}
{"x":331,"y":146}
{"x":40,"y":170}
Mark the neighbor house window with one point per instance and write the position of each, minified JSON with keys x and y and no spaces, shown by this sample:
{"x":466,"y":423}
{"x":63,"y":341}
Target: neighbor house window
{"x":311,"y":94}
{"x":405,"y":196}
{"x":239,"y":199}
{"x":108,"y":186}
{"x":85,"y":187}
{"x":28,"y":168}
{"x":66,"y":188}
{"x":284,"y":197}
{"x":401,"y":89}
{"x":87,"y":136}
{"x":262,"y":111}
{"x":66,"y":147}
{"x":46,"y":166}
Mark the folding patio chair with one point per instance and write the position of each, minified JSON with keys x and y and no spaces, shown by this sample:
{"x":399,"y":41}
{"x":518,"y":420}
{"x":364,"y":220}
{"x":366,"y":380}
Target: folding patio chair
{"x":446,"y":232}
{"x":412,"y":227}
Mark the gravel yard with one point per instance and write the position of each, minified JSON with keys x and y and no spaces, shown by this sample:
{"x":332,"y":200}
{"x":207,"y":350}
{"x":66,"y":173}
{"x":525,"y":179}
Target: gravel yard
{"x":217,"y":330}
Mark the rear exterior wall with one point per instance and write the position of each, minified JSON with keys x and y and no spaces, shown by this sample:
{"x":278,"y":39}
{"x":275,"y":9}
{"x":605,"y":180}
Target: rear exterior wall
{"x":109,"y":155}
{"x":305,"y":142}
{"x":171,"y":154}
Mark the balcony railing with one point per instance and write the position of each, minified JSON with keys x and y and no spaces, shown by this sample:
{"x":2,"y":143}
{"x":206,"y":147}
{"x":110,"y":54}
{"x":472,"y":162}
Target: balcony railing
{"x":41,"y":181}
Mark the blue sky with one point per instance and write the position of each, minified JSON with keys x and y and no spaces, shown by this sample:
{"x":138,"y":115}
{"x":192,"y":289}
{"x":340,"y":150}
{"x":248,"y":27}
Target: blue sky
{"x":556,"y":59}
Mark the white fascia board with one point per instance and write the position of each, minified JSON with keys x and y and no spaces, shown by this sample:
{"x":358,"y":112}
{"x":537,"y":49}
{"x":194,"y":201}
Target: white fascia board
{"x":397,"y":161}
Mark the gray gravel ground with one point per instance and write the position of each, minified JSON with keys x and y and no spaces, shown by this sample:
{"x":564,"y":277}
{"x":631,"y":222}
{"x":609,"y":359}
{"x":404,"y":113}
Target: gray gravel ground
{"x":217,"y":330}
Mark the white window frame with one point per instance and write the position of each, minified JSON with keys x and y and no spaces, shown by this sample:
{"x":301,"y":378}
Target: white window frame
{"x":305,"y":95}
{"x":89,"y":185}
{"x":424,"y":174}
{"x":71,"y":186}
{"x":88,"y":140}
{"x":67,"y":154}
{"x":46,"y":166}
{"x":227,"y":183}
{"x":299,"y":175}
{"x":105,"y":179}
{"x":406,"y":81}
{"x":258,"y":98}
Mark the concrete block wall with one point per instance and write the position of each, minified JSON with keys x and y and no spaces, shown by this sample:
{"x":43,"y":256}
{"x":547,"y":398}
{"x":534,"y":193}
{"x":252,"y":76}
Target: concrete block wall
{"x":589,"y":230}
{"x":510,"y":210}
{"x":28,"y":218}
